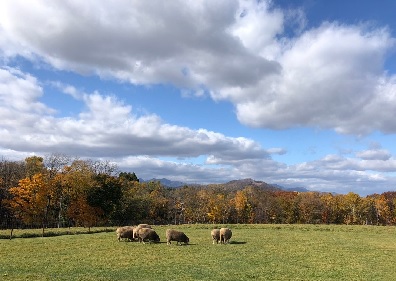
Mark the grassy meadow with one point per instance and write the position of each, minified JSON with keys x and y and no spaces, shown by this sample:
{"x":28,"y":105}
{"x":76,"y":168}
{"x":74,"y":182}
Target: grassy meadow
{"x":256,"y":252}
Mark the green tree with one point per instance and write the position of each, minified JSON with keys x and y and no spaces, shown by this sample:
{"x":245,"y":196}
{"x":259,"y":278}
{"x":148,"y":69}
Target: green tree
{"x":124,"y":176}
{"x":11,"y":172}
{"x":34,"y":165}
{"x":105,"y":194}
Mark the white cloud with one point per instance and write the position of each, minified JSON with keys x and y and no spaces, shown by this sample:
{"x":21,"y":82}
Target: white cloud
{"x":319,"y":175}
{"x":328,"y":77}
{"x":374,"y":154}
{"x":141,"y":42}
{"x":107,"y":127}
{"x":331,"y":77}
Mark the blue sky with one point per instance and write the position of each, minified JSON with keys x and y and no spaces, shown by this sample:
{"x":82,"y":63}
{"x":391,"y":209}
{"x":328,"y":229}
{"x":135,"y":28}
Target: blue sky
{"x":295,"y":93}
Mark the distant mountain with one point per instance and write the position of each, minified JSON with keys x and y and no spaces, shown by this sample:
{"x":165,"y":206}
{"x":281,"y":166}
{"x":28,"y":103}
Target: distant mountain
{"x":241,"y":184}
{"x":231,"y":185}
{"x":298,"y":189}
{"x":165,"y":182}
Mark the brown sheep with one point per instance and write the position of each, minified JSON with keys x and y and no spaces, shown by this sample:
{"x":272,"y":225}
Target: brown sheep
{"x":225,"y":235}
{"x":147,"y":234}
{"x":215,"y":233}
{"x":142,"y":225}
{"x":178,"y":236}
{"x":125,"y":232}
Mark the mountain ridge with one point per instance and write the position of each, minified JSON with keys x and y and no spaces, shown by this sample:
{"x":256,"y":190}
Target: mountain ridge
{"x":233,"y":184}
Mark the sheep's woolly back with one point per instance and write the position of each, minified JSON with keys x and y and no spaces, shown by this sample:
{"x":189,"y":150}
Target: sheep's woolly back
{"x":142,"y":225}
{"x":125,"y":232}
{"x":175,"y":235}
{"x":215,"y":233}
{"x":143,"y":231}
{"x":225,"y":235}
{"x":147,"y":234}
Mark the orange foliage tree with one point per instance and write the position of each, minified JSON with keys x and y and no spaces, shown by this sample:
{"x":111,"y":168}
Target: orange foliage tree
{"x":82,"y":213}
{"x":242,"y":207}
{"x":31,"y":199}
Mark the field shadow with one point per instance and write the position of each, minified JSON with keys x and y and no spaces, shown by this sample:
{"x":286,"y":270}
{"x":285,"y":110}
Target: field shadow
{"x":237,"y":242}
{"x":174,"y":243}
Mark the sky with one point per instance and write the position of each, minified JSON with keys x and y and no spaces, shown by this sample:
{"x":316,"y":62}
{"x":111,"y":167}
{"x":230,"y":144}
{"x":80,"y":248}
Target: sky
{"x":299,"y":93}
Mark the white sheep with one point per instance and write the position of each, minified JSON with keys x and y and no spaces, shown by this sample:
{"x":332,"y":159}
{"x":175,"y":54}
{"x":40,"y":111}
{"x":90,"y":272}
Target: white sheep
{"x":215,"y":233}
{"x":225,"y":235}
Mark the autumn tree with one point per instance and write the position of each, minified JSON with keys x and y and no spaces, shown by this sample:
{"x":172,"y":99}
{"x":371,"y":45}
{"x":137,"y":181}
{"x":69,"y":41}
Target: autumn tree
{"x":384,"y":213}
{"x":159,"y":203}
{"x":284,"y":208}
{"x":77,"y":180}
{"x":351,"y":207}
{"x":134,"y":203}
{"x":332,"y":211}
{"x":31,"y":199}
{"x":390,"y":197}
{"x":242,"y":207}
{"x":218,"y":205}
{"x":11,"y":172}
{"x":310,"y":207}
{"x":194,"y":203}
{"x":83,"y":214}
{"x":34,"y":165}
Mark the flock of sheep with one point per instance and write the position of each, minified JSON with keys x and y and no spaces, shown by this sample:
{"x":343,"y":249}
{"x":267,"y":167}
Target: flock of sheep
{"x":144,"y":233}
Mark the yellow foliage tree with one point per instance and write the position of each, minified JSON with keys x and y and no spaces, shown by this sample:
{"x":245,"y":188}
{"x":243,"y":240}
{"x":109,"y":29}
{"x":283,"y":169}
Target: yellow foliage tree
{"x":242,"y":206}
{"x":76,"y":180}
{"x":31,"y":199}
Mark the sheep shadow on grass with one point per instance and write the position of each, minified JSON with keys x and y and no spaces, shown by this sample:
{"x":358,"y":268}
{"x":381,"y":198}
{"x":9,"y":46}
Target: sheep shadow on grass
{"x":237,"y":242}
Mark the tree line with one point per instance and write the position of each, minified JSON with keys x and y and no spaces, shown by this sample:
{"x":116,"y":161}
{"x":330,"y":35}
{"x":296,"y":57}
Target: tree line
{"x":57,"y":191}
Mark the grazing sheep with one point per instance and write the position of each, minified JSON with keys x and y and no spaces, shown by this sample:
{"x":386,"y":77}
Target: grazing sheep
{"x":215,"y":233}
{"x":147,"y":234}
{"x":142,"y":225}
{"x":125,"y":232}
{"x":178,"y":236}
{"x":225,"y":235}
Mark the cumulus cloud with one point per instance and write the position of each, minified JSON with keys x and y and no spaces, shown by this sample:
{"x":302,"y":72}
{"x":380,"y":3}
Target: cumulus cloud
{"x":374,"y":154}
{"x":326,"y":174}
{"x":141,"y":42}
{"x":330,"y":77}
{"x":107,"y":127}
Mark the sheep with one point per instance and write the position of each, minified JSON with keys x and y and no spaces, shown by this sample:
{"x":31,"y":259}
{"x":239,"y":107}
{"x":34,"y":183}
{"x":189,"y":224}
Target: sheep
{"x":125,"y":232}
{"x":178,"y":236}
{"x":225,"y":235}
{"x":147,"y":234}
{"x":142,"y":225}
{"x":215,"y":233}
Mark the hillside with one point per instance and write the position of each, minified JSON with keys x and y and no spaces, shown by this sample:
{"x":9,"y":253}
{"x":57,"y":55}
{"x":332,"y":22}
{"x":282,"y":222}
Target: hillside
{"x":231,"y":185}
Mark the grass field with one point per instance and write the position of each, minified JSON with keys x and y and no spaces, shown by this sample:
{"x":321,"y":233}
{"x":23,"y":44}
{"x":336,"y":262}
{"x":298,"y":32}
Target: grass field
{"x":256,"y":252}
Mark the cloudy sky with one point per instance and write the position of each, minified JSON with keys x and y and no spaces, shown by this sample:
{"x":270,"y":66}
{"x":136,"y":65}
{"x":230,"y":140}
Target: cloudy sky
{"x":300,"y":93}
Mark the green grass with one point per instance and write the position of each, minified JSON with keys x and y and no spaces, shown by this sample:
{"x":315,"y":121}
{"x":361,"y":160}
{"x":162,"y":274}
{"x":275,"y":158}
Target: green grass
{"x":48,"y":232}
{"x":256,"y":252}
